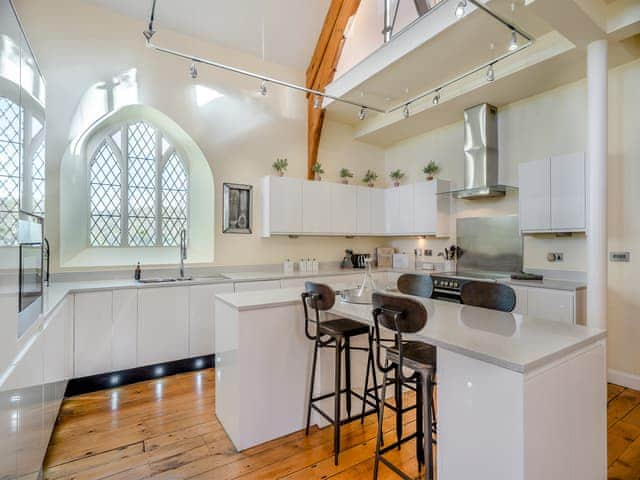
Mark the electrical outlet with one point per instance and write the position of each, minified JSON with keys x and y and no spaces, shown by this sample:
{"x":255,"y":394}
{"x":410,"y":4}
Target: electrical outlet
{"x":559,"y":257}
{"x":555,"y":257}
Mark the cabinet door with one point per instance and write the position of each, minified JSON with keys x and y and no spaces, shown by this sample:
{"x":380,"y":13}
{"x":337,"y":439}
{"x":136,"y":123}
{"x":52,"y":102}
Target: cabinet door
{"x":125,"y":329}
{"x":363,"y":210}
{"x":54,"y":346}
{"x":256,"y":286}
{"x":553,"y":305}
{"x":568,"y":193}
{"x":343,"y":208}
{"x":425,"y":208}
{"x":163,"y":324}
{"x":392,"y":210}
{"x":285,"y":205}
{"x":535,"y":196}
{"x":316,"y":210}
{"x":93,"y":331}
{"x":378,"y":199}
{"x":399,"y":210}
{"x":202,"y":317}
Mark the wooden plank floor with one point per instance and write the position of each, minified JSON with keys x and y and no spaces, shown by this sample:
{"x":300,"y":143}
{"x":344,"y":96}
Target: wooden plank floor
{"x":166,"y":429}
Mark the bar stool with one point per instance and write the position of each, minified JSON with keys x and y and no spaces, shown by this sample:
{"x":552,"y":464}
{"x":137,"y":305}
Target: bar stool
{"x":417,"y":285}
{"x":336,"y":333}
{"x":495,"y":296}
{"x":405,"y":315}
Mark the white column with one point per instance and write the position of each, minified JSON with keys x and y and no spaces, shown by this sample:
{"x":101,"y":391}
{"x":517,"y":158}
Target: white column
{"x":597,"y":234}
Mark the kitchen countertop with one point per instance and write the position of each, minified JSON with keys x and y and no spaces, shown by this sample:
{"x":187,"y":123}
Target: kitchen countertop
{"x":512,"y":341}
{"x":549,"y":283}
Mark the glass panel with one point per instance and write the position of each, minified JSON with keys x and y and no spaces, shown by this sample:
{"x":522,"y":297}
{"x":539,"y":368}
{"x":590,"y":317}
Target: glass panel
{"x":38,"y":180}
{"x":142,"y":185}
{"x":174,"y":200}
{"x":105,"y":192}
{"x":10,"y":141}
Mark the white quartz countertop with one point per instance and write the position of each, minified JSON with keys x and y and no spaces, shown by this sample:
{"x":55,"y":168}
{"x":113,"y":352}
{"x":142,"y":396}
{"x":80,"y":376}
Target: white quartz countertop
{"x":550,"y":283}
{"x":516,"y":342}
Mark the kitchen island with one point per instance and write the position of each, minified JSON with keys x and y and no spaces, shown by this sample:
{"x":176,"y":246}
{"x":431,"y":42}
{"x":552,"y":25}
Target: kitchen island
{"x":518,"y":398}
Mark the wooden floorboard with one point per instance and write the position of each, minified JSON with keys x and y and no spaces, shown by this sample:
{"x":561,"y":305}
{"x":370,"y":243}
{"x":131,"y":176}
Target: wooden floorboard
{"x":166,"y":429}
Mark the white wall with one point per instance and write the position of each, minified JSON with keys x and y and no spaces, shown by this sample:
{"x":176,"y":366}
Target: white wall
{"x":241,"y":133}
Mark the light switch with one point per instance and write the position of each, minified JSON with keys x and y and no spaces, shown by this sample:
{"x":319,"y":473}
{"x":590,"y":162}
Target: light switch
{"x":619,"y":256}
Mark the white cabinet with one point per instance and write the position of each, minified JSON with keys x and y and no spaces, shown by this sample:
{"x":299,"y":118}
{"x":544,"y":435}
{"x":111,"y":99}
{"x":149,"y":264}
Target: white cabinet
{"x":93,"y":314}
{"x":316,"y":212}
{"x":125,"y":329}
{"x":552,"y":194}
{"x":399,"y":210}
{"x":344,"y":205}
{"x":281,"y":205}
{"x":363,"y":210}
{"x":163,"y":324}
{"x":431,"y":213}
{"x":535,"y":196}
{"x":55,"y":345}
{"x":568,"y":193}
{"x":256,"y":286}
{"x":378,"y":206}
{"x":554,"y":305}
{"x":202,"y":317}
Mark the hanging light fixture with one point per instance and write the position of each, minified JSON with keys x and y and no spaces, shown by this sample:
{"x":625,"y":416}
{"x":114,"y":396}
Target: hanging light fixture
{"x":491,"y":74}
{"x":436,"y":98}
{"x":461,"y":8}
{"x":317,"y":102}
{"x":193,"y":70}
{"x":405,"y":111}
{"x":263,"y":89}
{"x":513,"y":44}
{"x":362,"y":114}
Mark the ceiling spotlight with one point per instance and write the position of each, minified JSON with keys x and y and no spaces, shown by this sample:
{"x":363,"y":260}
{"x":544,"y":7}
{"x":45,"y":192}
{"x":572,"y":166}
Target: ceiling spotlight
{"x":263,"y":89}
{"x":193,"y":70}
{"x":460,"y":9}
{"x":513,"y":44}
{"x":491,"y":75}
{"x":317,"y":102}
{"x":436,"y":98}
{"x":405,"y":111}
{"x":362,"y":114}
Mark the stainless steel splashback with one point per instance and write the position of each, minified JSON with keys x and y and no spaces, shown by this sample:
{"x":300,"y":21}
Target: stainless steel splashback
{"x":489,"y":243}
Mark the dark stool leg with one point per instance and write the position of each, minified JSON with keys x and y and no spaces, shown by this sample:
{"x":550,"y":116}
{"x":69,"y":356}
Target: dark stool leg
{"x":370,"y":368}
{"x":398,"y":395}
{"x":376,"y":462}
{"x":421,"y":433}
{"x":347,"y":372}
{"x":336,"y":418}
{"x":313,"y":380}
{"x":427,"y":391}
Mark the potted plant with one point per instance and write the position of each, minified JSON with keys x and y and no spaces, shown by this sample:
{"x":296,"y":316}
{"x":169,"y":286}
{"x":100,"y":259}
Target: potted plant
{"x":280,"y":166}
{"x":317,"y":171}
{"x":396,"y":176}
{"x":345,"y":175}
{"x":431,"y":170}
{"x":370,"y":177}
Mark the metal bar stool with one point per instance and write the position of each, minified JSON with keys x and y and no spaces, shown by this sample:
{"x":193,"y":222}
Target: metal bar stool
{"x":336,"y":333}
{"x":405,"y":315}
{"x":495,"y":296}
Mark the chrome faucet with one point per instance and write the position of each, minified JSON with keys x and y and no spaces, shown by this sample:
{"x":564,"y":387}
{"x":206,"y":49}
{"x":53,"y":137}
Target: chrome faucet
{"x":183,"y":254}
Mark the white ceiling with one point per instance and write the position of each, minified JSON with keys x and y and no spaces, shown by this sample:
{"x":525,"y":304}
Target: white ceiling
{"x":291,"y":26}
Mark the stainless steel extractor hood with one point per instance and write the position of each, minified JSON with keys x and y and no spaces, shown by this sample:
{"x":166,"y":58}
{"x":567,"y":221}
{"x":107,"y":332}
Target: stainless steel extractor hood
{"x":481,"y":158}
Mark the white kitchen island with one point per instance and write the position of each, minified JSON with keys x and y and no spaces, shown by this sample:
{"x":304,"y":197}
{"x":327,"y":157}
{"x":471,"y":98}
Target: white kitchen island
{"x":518,"y":398}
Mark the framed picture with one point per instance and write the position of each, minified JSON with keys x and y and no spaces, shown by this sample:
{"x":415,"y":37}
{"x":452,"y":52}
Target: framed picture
{"x":236,"y":208}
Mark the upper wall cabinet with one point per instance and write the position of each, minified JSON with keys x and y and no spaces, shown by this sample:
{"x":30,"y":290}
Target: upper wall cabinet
{"x":553,"y":194}
{"x":325,"y":208}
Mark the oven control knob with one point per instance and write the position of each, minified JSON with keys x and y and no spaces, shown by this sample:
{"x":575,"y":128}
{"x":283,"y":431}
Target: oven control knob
{"x":455,"y":284}
{"x":446,"y":284}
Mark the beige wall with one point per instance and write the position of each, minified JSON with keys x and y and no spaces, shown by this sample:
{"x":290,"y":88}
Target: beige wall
{"x":241,"y":133}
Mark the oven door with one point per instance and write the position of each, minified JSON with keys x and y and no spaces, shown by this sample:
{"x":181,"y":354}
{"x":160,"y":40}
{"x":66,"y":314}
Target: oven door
{"x":30,"y":275}
{"x":446,"y":295}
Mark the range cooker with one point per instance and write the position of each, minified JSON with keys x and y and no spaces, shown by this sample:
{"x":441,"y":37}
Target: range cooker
{"x":447,"y":286}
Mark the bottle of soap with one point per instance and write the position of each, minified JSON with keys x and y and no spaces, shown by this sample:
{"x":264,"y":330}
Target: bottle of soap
{"x":137,"y":274}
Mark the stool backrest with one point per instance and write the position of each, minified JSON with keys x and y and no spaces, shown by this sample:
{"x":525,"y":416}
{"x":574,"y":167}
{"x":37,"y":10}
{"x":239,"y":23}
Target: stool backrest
{"x":418,"y":285}
{"x":319,"y":296}
{"x":495,"y":296}
{"x":400,"y":314}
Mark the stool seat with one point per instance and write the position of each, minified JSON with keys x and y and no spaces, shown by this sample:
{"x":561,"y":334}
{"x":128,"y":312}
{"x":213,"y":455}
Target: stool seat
{"x":417,"y":353}
{"x":343,"y":327}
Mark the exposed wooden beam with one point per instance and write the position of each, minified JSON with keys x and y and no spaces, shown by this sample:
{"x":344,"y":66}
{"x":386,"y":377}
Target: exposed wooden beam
{"x":322,"y":68}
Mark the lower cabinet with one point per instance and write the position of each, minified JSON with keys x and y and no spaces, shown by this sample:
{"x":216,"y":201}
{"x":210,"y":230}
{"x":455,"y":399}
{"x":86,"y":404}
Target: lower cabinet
{"x":202,"y":317}
{"x":125,"y":326}
{"x":163,"y":324}
{"x":256,"y":286}
{"x":557,"y":305}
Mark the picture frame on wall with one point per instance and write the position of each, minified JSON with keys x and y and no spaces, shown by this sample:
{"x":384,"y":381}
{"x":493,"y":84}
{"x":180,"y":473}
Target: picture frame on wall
{"x":237,"y":208}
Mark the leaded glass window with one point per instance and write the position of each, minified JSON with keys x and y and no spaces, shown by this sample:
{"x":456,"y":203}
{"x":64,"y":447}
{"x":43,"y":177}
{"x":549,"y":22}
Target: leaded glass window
{"x":105,"y":198}
{"x":138,"y":191}
{"x":174,"y":200}
{"x":10,"y":141}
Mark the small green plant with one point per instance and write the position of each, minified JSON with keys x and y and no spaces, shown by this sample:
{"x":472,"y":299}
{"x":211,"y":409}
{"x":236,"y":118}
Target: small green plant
{"x":396,"y":176}
{"x":346,"y":173}
{"x":370,"y":177}
{"x":317,"y":170}
{"x":280,"y":165}
{"x":431,"y":169}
